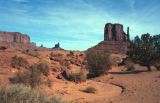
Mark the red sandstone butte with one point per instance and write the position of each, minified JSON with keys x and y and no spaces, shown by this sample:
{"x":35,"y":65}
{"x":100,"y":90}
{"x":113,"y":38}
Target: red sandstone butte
{"x":16,"y":40}
{"x":115,"y":39}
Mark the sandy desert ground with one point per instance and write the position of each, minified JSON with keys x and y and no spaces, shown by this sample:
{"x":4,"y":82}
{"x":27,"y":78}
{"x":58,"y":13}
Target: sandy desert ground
{"x":116,"y":87}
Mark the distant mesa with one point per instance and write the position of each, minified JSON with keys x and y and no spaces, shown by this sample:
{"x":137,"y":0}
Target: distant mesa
{"x":56,"y":47}
{"x":115,"y":39}
{"x":15,"y":40}
{"x":21,"y":41}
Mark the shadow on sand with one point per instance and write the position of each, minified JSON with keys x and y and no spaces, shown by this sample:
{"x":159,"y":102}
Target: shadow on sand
{"x":129,"y":72}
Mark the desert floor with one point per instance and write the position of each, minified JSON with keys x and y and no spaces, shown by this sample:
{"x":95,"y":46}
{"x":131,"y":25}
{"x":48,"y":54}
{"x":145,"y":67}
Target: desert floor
{"x":116,"y":87}
{"x":137,"y":88}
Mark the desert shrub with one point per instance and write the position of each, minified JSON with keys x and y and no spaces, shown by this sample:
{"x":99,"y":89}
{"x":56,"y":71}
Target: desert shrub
{"x":77,"y":77}
{"x":19,"y":62}
{"x":98,"y":62}
{"x":157,"y":66}
{"x":48,"y":82}
{"x":55,"y":54}
{"x":33,"y":53}
{"x":89,"y":89}
{"x":65,"y":64}
{"x":81,"y":76}
{"x":129,"y":64}
{"x":81,"y":55}
{"x":42,"y":67}
{"x":19,"y":93}
{"x":3,"y":48}
{"x":145,"y":50}
{"x":21,"y":77}
{"x":36,"y":70}
{"x":71,"y":53}
{"x":33,"y":76}
{"x":84,"y":62}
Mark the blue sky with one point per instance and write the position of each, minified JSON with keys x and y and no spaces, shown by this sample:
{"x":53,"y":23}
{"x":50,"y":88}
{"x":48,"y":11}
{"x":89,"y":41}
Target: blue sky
{"x":77,"y":24}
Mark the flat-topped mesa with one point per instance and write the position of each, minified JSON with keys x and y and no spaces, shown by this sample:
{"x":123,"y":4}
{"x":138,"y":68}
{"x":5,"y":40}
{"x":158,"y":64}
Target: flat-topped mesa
{"x":115,"y":32}
{"x":16,"y":39}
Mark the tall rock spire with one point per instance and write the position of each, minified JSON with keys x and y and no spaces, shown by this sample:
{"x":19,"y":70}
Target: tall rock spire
{"x":114,"y":32}
{"x":128,"y":37}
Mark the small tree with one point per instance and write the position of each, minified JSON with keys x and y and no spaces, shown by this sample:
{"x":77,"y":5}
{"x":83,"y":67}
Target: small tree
{"x":98,"y":62}
{"x":145,"y":50}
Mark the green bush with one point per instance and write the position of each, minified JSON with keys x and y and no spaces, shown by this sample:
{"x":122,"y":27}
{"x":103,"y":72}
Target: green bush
{"x":19,"y":62}
{"x":98,"y":62}
{"x":19,"y":93}
{"x":89,"y":90}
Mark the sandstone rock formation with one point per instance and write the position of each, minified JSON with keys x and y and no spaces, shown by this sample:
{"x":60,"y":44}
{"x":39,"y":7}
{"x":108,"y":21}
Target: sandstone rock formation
{"x":15,"y":40}
{"x":115,"y":39}
{"x":114,"y":32}
{"x":57,"y":47}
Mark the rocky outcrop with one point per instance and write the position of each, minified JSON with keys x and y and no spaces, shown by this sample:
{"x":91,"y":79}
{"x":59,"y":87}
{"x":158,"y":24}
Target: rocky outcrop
{"x":115,"y":39}
{"x":15,"y":40}
{"x":115,"y":32}
{"x":57,"y":47}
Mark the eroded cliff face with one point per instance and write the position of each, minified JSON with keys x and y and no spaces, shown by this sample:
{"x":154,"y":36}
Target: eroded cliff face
{"x":16,"y":40}
{"x":115,"y":39}
{"x":115,"y":32}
